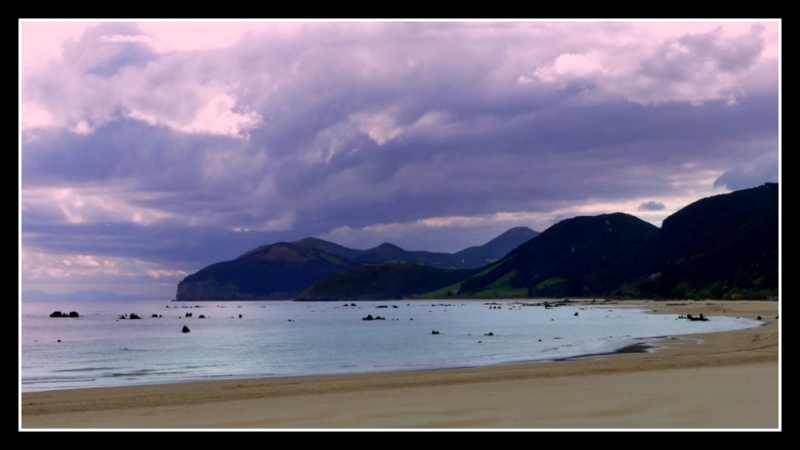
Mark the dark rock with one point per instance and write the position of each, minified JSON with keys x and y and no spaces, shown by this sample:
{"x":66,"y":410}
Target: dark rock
{"x":134,"y":316}
{"x":240,"y":316}
{"x":758,"y":318}
{"x":185,"y":329}
{"x":56,"y":314}
{"x":201,"y":316}
{"x":369,"y":317}
{"x":434,"y":332}
{"x":489,"y":334}
{"x":701,"y":318}
{"x":576,"y":314}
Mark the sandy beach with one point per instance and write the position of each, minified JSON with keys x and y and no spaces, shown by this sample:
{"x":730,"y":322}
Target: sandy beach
{"x":725,"y":380}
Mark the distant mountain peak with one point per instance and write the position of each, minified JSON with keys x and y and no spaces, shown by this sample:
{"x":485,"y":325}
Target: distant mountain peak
{"x":517,"y":230}
{"x":310,"y":241}
{"x":387,"y":245}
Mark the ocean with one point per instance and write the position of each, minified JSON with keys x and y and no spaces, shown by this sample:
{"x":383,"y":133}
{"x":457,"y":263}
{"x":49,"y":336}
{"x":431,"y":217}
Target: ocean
{"x":286,"y":338}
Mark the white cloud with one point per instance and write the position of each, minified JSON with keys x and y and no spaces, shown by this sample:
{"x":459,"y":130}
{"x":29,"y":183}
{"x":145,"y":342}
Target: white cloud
{"x":41,"y":266}
{"x":68,"y":91}
{"x":82,"y":127}
{"x":570,"y":66}
{"x":90,"y":205}
{"x":33,"y":116}
{"x":71,"y":272}
{"x":159,"y":273}
{"x":209,"y":109}
{"x":381,"y":126}
{"x":691,"y":67}
{"x":123,"y":38}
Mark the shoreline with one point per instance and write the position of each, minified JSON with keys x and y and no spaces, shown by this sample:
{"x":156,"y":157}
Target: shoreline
{"x":691,"y":381}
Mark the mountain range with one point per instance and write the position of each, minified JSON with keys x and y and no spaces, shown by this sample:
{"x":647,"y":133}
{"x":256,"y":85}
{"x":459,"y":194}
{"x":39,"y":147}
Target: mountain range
{"x":284,"y":269}
{"x":725,"y":246}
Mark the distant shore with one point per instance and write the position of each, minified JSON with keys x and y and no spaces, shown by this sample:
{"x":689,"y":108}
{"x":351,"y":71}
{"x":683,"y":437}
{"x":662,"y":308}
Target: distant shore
{"x":709,"y":381}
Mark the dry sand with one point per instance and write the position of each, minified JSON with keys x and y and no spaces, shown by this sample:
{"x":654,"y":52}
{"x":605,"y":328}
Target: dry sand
{"x":708,"y":381}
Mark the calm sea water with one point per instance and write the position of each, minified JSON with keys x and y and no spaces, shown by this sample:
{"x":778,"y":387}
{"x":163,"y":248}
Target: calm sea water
{"x":277,"y":339}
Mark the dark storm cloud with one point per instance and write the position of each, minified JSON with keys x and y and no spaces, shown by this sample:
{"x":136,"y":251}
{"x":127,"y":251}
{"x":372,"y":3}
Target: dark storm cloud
{"x":652,"y":206}
{"x":177,"y":246}
{"x":760,"y":171}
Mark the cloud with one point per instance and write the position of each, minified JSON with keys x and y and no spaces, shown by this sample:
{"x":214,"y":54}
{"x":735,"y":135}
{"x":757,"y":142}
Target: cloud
{"x":755,"y":173}
{"x":694,"y":67}
{"x":172,"y":147}
{"x":159,"y":273}
{"x":87,"y":205}
{"x":113,"y":72}
{"x":651,"y":206}
{"x":569,"y":67}
{"x":191,"y":108}
{"x":380,"y":126}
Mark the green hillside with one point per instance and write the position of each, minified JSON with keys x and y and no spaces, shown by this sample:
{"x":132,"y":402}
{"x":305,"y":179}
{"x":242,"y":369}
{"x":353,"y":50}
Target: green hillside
{"x":387,"y":281}
{"x":717,"y":247}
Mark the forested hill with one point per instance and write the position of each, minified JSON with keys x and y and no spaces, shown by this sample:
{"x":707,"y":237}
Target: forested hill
{"x":721,"y":246}
{"x":284,"y":269}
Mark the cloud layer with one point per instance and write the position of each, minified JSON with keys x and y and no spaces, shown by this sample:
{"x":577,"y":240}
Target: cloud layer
{"x":141,"y":144}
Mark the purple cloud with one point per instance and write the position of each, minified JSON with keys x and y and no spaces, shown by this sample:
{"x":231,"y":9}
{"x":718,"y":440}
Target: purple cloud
{"x":143,"y":143}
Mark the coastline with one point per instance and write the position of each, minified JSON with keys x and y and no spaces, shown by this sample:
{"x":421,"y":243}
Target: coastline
{"x":717,"y":380}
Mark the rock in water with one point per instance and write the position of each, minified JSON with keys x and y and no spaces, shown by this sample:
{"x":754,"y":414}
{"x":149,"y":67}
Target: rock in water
{"x":185,"y":329}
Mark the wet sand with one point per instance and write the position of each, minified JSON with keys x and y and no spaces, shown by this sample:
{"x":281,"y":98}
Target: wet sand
{"x":709,"y":381}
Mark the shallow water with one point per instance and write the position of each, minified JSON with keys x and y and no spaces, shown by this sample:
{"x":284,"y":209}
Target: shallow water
{"x":277,"y":339}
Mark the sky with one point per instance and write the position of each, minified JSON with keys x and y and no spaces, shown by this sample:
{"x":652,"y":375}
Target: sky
{"x":151,"y":149}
